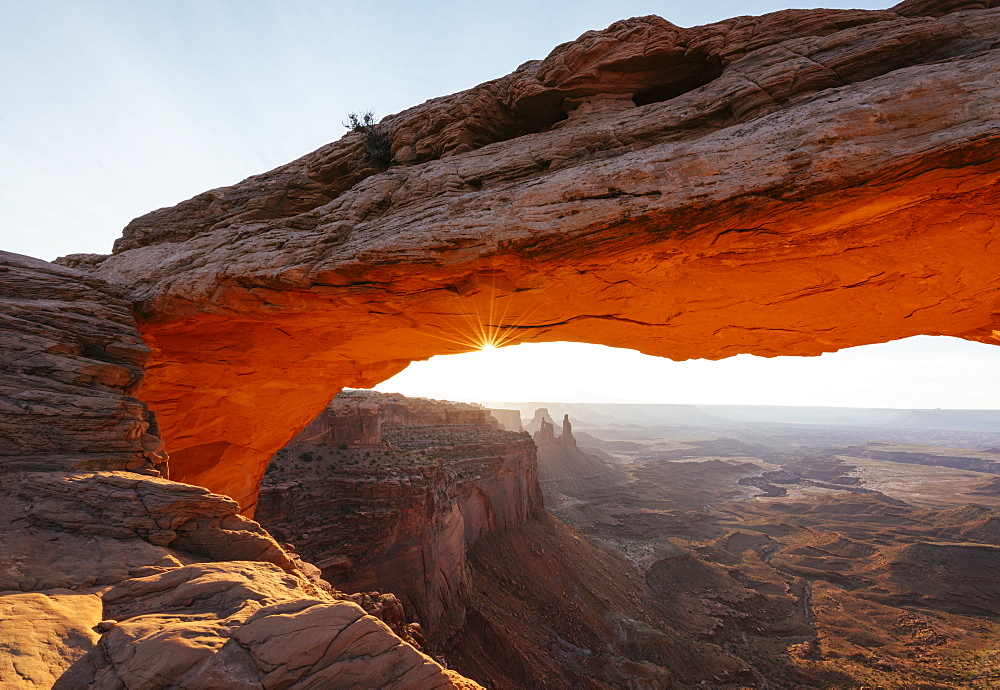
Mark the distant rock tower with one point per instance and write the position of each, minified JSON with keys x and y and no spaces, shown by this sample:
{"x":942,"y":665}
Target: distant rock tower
{"x":546,"y":433}
{"x":567,"y":435}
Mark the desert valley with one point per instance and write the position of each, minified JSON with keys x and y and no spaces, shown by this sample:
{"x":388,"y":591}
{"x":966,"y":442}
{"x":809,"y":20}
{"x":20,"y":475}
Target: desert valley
{"x":674,"y":545}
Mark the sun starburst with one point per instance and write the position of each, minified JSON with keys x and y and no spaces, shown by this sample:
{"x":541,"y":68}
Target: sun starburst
{"x":488,"y":327}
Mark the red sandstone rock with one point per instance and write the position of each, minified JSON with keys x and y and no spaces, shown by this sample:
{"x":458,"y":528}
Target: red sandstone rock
{"x":550,"y":609}
{"x":164,"y":513}
{"x":42,"y":635}
{"x":70,"y":353}
{"x":175,"y":616}
{"x":546,"y":433}
{"x":103,"y":579}
{"x":496,"y":587}
{"x":560,"y":461}
{"x":507,"y":419}
{"x":400,"y":517}
{"x":789,"y":184}
{"x":355,"y":419}
{"x":245,"y":625}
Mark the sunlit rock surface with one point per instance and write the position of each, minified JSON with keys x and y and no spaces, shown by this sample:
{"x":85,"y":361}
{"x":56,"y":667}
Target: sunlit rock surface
{"x":113,"y":577}
{"x":789,"y":184}
{"x":245,"y":625}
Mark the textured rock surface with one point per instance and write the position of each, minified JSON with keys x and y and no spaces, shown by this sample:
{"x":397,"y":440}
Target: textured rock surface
{"x":560,"y":461}
{"x":399,"y":515}
{"x":43,"y":635}
{"x":120,"y":579}
{"x":245,"y":625}
{"x":788,"y":184}
{"x":129,"y":552}
{"x":81,"y":530}
{"x":549,"y":609}
{"x":125,"y":506}
{"x":355,"y":419}
{"x":71,"y":359}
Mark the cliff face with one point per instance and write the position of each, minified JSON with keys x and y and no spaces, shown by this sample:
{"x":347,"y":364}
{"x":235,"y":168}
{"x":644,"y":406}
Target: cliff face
{"x":354,"y":422}
{"x":788,"y":184}
{"x":399,"y":515}
{"x":448,"y":518}
{"x":111,"y":576}
{"x":508,"y":419}
{"x":538,"y":420}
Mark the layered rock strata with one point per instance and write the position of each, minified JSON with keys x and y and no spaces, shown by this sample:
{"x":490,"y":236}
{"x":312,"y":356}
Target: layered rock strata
{"x":355,"y":418}
{"x":400,"y":516}
{"x":789,"y":184}
{"x":448,"y":518}
{"x":509,"y":420}
{"x":71,"y":361}
{"x":113,"y":577}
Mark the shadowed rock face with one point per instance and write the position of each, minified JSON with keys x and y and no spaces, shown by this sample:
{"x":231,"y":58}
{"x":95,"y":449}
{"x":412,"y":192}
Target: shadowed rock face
{"x":71,"y":360}
{"x":789,"y":184}
{"x":400,"y":512}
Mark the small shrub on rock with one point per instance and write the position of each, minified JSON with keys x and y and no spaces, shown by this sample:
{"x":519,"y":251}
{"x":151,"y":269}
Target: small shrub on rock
{"x":378,"y":141}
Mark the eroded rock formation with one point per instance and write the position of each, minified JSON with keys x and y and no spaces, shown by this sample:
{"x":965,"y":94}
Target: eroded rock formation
{"x":448,"y":517}
{"x":71,"y":361}
{"x":788,"y":184}
{"x":113,"y":577}
{"x":400,"y":514}
{"x":562,"y":466}
{"x":546,"y":433}
{"x":540,"y":419}
{"x":791,"y":184}
{"x":508,"y":419}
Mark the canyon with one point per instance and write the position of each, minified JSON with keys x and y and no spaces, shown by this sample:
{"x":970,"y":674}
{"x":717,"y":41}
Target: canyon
{"x":444,"y":510}
{"x":399,"y":509}
{"x":113,"y":577}
{"x":795,"y":183}
{"x":803,"y":563}
{"x":694,"y":549}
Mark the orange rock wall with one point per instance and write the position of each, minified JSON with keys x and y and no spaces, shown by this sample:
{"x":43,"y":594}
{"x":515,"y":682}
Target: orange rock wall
{"x":871,"y":265}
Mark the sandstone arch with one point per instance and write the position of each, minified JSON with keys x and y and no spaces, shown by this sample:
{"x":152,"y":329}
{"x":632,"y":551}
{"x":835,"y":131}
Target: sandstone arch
{"x":789,"y":184}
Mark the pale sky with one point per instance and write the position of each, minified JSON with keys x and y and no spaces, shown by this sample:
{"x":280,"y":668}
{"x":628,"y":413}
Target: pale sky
{"x":113,"y":109}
